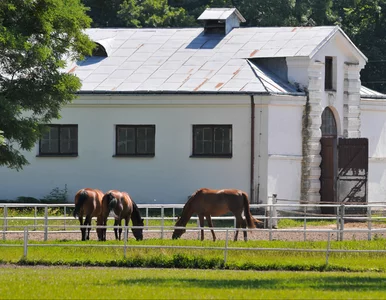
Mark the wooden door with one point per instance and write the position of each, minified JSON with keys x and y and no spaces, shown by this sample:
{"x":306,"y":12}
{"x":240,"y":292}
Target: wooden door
{"x":328,"y":168}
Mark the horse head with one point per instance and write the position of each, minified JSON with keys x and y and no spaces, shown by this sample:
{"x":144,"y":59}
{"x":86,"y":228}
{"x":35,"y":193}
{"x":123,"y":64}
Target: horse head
{"x":178,"y":232}
{"x":138,"y":232}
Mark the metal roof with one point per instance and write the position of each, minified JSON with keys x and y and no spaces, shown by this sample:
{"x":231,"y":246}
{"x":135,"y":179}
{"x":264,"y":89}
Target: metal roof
{"x":187,"y":60}
{"x":371,"y":94}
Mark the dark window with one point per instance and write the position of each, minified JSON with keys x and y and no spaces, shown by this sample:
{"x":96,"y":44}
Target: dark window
{"x":99,"y":50}
{"x":328,"y":123}
{"x":212,"y":140}
{"x":135,"y":140}
{"x":59,"y":140}
{"x":328,"y":74}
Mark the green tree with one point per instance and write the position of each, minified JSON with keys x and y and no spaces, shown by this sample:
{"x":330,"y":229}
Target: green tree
{"x":267,"y":12}
{"x":364,"y":21}
{"x":104,"y":13}
{"x":153,"y":13}
{"x":35,"y":37}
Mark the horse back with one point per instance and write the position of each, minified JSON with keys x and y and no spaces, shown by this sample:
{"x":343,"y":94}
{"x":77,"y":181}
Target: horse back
{"x":219,"y":202}
{"x":91,"y":200}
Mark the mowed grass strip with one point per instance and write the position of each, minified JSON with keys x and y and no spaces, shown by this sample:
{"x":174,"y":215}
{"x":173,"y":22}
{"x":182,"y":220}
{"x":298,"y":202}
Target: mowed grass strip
{"x":136,"y":283}
{"x":75,"y":253}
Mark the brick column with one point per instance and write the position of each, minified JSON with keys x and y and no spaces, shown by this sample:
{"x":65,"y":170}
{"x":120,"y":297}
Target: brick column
{"x":311,"y":134}
{"x":351,"y":101}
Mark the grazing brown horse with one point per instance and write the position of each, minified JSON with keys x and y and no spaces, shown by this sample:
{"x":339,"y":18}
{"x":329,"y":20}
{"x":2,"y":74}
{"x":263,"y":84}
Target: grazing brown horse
{"x":206,"y":203}
{"x":124,"y":208}
{"x":88,"y":202}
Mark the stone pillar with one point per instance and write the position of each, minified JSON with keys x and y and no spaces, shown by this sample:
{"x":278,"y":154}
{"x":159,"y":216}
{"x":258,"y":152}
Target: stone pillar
{"x":311,"y":134}
{"x":351,"y":101}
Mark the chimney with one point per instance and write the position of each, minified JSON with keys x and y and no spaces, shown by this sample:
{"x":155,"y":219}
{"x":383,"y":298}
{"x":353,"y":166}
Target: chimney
{"x":221,"y":20}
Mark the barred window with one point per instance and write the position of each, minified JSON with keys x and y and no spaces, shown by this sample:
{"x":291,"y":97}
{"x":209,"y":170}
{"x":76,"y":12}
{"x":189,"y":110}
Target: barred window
{"x":212,"y":140}
{"x":59,"y":140}
{"x":135,"y":140}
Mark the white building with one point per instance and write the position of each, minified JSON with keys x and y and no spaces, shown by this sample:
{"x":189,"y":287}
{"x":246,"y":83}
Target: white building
{"x":163,"y":112}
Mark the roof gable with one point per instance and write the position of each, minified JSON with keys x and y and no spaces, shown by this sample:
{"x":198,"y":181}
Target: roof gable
{"x":338,"y":31}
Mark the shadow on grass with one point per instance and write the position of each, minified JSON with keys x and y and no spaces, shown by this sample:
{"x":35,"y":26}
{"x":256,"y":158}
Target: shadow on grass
{"x":325,"y":283}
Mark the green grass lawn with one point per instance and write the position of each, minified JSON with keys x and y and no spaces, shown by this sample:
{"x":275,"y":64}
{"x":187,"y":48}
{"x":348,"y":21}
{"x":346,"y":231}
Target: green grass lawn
{"x":134,"y":283}
{"x":84,"y":253}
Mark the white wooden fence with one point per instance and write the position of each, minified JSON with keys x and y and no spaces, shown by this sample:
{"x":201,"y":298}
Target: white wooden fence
{"x":273,"y":213}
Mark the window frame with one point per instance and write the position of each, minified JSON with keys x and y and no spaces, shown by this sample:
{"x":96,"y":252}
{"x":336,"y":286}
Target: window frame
{"x":59,"y":153}
{"x":212,"y":155}
{"x":136,"y":154}
{"x":329,"y":74}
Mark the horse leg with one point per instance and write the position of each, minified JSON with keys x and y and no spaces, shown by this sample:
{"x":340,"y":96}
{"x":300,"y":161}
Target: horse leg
{"x":116,"y":222}
{"x":245,"y":231}
{"x":82,"y":230}
{"x":239,"y":221}
{"x":99,"y":230}
{"x":120,"y":229}
{"x":88,"y":223}
{"x":210,"y":224}
{"x":104,"y":230}
{"x":201,"y":218}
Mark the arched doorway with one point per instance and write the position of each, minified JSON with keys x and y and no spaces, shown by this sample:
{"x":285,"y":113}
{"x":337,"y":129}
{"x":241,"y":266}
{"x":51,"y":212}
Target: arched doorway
{"x":329,"y":163}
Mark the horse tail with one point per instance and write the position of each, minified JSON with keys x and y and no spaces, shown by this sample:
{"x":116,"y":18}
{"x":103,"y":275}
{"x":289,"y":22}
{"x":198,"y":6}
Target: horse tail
{"x":247,"y":212}
{"x":83,"y":195}
{"x":112,"y":201}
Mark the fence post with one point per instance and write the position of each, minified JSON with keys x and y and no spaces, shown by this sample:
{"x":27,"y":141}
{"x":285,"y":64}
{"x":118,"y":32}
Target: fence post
{"x":25,"y":242}
{"x":305,"y":222}
{"x":45,"y":223}
{"x":274,"y":211}
{"x":369,"y":223}
{"x":328,"y":247}
{"x":198,"y":231}
{"x":35,"y":216}
{"x":226,"y":246}
{"x":65,"y":216}
{"x":125,"y":235}
{"x":147,"y":216}
{"x":337,"y":223}
{"x":162,"y":222}
{"x":342,"y":212}
{"x":5,"y":222}
{"x":270,"y":221}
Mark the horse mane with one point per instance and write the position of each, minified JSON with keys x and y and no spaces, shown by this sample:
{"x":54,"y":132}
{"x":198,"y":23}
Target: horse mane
{"x":136,"y":215}
{"x":184,"y":218}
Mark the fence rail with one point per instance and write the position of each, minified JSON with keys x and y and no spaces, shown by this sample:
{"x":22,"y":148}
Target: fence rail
{"x":327,"y":251}
{"x":272,"y":213}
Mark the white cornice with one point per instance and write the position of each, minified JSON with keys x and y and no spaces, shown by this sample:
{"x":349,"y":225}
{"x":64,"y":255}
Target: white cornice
{"x":173,"y":100}
{"x":285,"y":157}
{"x":373,"y":104}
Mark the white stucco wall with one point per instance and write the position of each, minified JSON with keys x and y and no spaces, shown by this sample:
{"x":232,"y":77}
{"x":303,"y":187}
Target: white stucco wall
{"x":338,"y":48}
{"x":285,"y":147}
{"x":373,"y":127}
{"x":169,"y":177}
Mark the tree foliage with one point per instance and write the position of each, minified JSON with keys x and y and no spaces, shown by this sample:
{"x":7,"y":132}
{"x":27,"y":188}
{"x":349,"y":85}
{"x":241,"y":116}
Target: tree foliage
{"x":35,"y":37}
{"x":153,"y":13}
